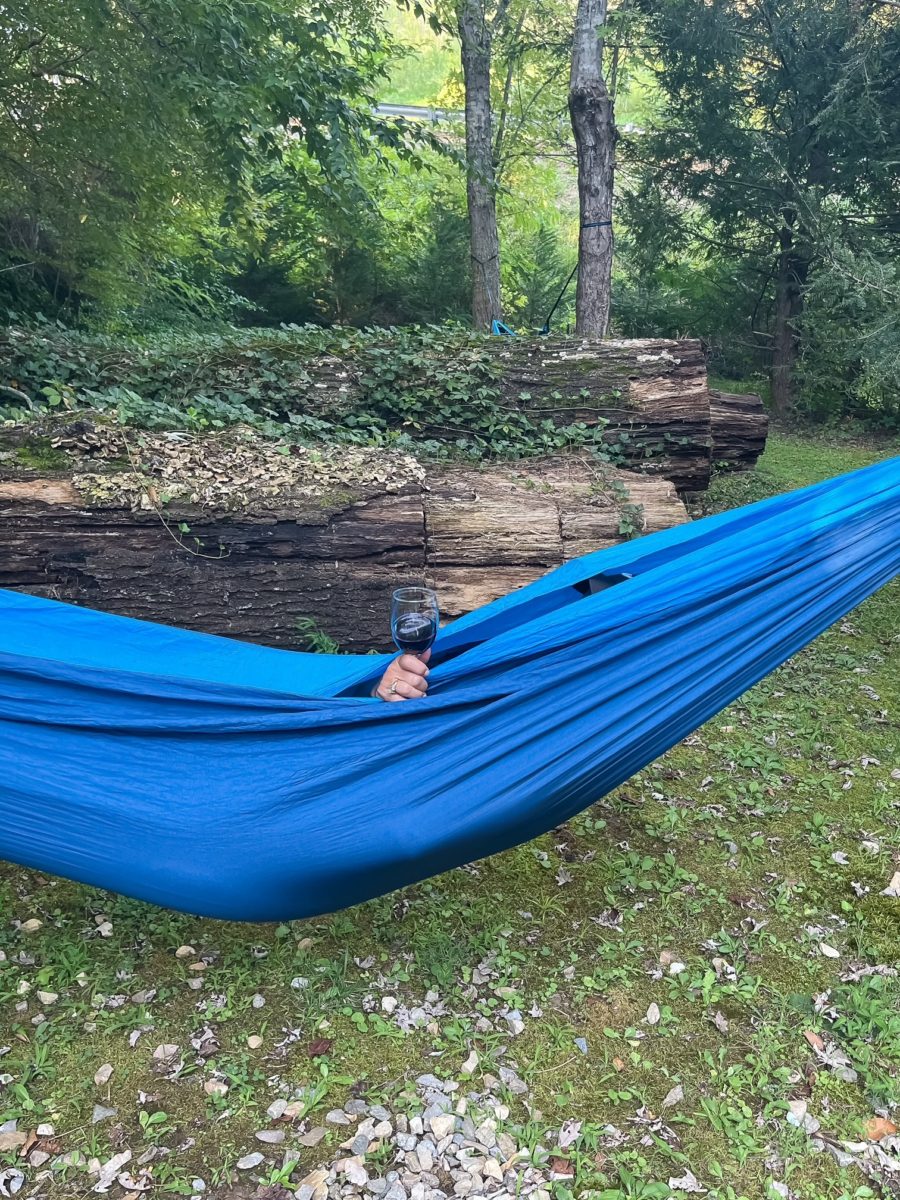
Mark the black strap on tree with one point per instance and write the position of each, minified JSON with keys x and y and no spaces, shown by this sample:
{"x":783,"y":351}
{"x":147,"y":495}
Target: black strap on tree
{"x":545,"y":328}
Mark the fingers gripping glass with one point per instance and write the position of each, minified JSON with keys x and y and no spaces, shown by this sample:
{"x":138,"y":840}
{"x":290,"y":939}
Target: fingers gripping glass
{"x":414,"y":619}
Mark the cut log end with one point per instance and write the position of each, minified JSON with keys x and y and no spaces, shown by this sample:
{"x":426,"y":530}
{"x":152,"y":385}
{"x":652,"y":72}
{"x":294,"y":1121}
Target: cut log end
{"x":739,"y":426}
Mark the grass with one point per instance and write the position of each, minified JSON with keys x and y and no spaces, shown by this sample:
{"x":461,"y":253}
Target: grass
{"x":734,"y":885}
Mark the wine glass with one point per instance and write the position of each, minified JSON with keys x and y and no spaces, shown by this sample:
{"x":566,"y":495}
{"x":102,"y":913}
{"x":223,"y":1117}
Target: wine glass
{"x":414,"y":619}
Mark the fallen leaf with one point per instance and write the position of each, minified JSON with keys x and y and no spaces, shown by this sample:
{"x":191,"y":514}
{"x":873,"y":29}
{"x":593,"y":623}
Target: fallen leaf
{"x":319,"y":1047}
{"x":135,"y":1186}
{"x":569,"y":1135}
{"x":878,"y":1128}
{"x":814,"y":1040}
{"x":829,"y":951}
{"x":675,"y":1096}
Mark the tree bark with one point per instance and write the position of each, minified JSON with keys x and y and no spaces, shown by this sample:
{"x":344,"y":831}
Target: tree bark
{"x":473,"y":535}
{"x":790,"y":279}
{"x":593,"y":124}
{"x":739,"y":425}
{"x":476,"y":41}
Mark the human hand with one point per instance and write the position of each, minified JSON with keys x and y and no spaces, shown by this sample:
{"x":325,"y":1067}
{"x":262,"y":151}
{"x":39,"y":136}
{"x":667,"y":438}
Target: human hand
{"x":405,"y":679}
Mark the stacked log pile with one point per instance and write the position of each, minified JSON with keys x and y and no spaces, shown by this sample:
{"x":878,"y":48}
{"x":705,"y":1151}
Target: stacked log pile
{"x":239,"y":535}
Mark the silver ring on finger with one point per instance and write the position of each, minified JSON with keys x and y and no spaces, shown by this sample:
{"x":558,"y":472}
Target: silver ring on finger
{"x":392,"y":690}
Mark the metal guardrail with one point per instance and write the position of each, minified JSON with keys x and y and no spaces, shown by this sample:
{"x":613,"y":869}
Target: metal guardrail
{"x":416,"y":112}
{"x":449,"y":116}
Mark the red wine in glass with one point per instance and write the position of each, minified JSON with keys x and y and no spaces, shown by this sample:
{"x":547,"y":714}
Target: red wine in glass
{"x":414,"y":619}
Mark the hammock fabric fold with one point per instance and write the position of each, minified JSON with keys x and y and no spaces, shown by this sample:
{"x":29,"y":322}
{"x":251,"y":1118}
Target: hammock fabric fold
{"x":254,"y":784}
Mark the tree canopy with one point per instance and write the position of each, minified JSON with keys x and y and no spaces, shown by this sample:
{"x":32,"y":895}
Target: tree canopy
{"x":126,"y":124}
{"x":169,"y":164}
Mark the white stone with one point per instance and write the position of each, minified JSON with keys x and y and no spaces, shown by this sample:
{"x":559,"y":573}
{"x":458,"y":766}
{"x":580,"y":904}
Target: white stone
{"x":442,"y":1126}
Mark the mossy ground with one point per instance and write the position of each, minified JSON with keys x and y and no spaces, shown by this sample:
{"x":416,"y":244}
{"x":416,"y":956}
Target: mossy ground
{"x":762,"y":838}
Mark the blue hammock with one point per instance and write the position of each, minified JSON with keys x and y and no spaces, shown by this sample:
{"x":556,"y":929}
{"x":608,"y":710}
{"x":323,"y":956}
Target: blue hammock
{"x":255,"y":784}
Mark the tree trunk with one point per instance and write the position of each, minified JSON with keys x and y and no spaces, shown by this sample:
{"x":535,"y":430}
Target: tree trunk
{"x":789,"y":282}
{"x":484,"y":242}
{"x":593,"y":124}
{"x":252,"y":571}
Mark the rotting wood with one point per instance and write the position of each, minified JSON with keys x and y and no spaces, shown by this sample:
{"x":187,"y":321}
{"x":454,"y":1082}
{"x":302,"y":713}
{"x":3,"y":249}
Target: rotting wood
{"x":473,"y":534}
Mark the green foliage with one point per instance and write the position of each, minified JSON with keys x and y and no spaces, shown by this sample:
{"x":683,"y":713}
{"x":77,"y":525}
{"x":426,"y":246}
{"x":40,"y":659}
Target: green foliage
{"x":419,"y":74}
{"x":128,"y":131}
{"x":867,"y":1024}
{"x":536,"y":269}
{"x":434,"y":389}
{"x":769,"y":116}
{"x":314,"y":638}
{"x":851,"y":359}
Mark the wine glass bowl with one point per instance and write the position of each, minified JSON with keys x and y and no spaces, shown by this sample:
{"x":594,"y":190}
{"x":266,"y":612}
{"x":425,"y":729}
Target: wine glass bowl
{"x":414,"y":619}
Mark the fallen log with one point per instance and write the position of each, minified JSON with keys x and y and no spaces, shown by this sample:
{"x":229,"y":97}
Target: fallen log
{"x":646,"y":400}
{"x":649,"y":397}
{"x":739,"y":426}
{"x":230,"y":535}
